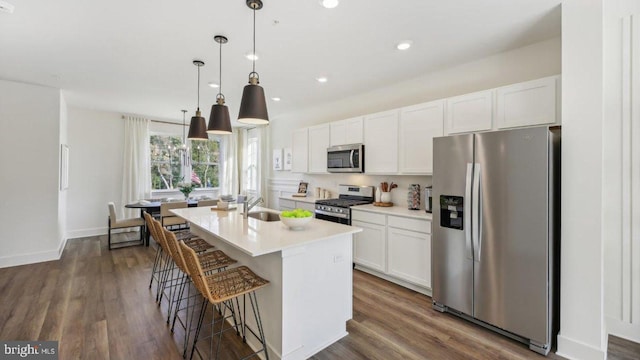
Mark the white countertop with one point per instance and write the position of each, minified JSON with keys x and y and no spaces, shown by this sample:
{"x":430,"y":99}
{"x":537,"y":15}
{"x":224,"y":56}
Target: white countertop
{"x":394,"y":210}
{"x":256,"y":237}
{"x":307,"y":199}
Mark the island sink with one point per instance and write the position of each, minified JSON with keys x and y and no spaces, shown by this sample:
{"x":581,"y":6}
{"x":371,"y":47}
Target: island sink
{"x":264,"y":216}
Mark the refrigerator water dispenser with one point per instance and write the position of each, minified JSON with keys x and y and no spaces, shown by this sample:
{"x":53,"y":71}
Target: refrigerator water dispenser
{"x":451,"y":211}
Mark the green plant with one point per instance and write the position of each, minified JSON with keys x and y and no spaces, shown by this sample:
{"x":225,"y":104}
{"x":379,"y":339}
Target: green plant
{"x":186,"y":188}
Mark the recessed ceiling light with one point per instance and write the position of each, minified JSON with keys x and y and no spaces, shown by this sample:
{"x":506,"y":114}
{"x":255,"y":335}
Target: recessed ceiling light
{"x":404,"y":45}
{"x":329,"y":4}
{"x":214,"y":85}
{"x":275,"y":98}
{"x":322,"y":79}
{"x":252,"y":56}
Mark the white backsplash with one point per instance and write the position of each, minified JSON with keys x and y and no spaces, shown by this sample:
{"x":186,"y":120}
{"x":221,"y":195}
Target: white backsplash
{"x":398,"y":195}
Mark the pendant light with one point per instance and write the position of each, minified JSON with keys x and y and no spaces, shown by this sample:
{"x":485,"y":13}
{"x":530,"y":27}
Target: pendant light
{"x":198,"y":125}
{"x":253,"y":107}
{"x":219,"y":120}
{"x":184,"y":149}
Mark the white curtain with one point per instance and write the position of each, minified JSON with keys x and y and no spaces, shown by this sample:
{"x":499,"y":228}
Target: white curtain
{"x":230,"y":159}
{"x":263,"y":161}
{"x":136,"y":171}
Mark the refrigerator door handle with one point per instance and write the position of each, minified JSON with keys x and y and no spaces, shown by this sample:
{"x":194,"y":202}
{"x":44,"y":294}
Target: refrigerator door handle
{"x":468,"y":249}
{"x":476,"y":230}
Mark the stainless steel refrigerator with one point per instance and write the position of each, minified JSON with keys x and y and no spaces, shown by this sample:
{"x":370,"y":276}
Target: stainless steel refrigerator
{"x":496,"y":230}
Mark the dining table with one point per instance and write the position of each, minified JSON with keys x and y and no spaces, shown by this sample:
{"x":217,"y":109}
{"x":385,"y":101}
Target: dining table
{"x":152,"y":207}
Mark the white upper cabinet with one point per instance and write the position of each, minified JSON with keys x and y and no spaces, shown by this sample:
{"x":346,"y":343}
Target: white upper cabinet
{"x":300,"y":151}
{"x":419,"y":124}
{"x":470,"y":112}
{"x":528,"y":103}
{"x":318,"y":144}
{"x":381,"y":143}
{"x":347,"y":131}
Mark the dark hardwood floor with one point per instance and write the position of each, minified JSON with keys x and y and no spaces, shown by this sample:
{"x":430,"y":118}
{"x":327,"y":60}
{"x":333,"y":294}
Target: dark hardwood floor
{"x":97,"y":304}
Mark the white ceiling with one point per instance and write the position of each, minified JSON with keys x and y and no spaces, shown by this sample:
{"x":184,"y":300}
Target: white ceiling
{"x":135,"y":56}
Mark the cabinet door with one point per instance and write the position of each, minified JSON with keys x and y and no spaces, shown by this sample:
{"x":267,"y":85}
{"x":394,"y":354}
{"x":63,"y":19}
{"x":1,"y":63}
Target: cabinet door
{"x":410,"y":256}
{"x":353,"y":129}
{"x":470,"y":112}
{"x":370,"y":246}
{"x":286,"y":204}
{"x":318,"y":144}
{"x":346,"y":131}
{"x":306,"y":206}
{"x":419,"y":124}
{"x":528,"y":103}
{"x":381,"y":143}
{"x":300,"y":151}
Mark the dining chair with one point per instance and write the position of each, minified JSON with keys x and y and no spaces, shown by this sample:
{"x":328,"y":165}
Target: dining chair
{"x":168,"y":219}
{"x":115,"y":223}
{"x":207,"y":202}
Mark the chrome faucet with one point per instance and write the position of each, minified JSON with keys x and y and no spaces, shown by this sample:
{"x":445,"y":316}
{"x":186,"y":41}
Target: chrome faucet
{"x":249,"y":204}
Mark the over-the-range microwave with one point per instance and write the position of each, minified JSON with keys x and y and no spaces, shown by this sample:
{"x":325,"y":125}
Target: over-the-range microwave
{"x":345,"y":158}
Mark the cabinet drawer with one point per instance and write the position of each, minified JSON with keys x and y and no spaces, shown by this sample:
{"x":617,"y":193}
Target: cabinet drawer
{"x":368,"y":217}
{"x":286,"y":203}
{"x":423,"y":226}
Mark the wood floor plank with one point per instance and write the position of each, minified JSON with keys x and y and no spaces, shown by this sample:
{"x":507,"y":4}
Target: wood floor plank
{"x":98,"y":304}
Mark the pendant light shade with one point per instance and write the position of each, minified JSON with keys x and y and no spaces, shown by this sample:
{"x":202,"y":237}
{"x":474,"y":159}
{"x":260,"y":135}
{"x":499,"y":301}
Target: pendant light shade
{"x":253,"y":107}
{"x":198,"y":125}
{"x":219,"y":119}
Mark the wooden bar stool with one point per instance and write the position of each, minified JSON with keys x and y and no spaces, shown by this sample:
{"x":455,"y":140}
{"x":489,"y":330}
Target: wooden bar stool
{"x":221,"y":289}
{"x":211,"y":262}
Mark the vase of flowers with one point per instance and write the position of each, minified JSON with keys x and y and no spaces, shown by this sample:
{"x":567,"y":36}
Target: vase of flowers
{"x":186,"y":189}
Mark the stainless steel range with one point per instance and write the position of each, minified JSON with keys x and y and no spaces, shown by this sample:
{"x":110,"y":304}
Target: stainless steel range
{"x":338,"y":210}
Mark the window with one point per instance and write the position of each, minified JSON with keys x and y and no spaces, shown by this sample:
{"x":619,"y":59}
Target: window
{"x":251,"y":163}
{"x":170,"y":163}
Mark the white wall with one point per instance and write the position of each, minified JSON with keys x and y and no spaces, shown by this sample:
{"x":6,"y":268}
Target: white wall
{"x":96,"y":142}
{"x":29,"y":182}
{"x":582,"y":334}
{"x":621,"y":174}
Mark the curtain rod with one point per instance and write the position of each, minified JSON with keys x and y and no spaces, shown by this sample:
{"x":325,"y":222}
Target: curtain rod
{"x":162,"y":122}
{"x":172,"y":123}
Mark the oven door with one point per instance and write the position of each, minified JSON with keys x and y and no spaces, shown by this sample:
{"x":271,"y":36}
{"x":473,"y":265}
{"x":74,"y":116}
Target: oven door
{"x":345,"y":158}
{"x":322,"y":215}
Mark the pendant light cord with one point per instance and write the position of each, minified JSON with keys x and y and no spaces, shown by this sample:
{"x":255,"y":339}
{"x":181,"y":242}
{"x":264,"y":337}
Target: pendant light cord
{"x":220,"y":92}
{"x":198,"y":87}
{"x":184,"y":137}
{"x":254,"y":39}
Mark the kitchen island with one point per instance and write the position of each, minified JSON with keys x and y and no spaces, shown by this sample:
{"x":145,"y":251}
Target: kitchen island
{"x":309,"y":299}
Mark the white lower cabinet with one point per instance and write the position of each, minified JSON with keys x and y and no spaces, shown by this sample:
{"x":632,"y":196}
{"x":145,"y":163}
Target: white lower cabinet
{"x":369,"y":246}
{"x":410,"y":256}
{"x":395,"y":248}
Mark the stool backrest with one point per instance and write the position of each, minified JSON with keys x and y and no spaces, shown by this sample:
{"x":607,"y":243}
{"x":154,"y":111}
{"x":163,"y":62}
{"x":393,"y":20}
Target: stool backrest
{"x":195,"y":270}
{"x":174,"y":249}
{"x":153,"y":229}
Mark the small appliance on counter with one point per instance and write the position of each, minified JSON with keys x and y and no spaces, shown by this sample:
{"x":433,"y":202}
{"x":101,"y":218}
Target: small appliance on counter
{"x":428,"y":206}
{"x":413,"y":197}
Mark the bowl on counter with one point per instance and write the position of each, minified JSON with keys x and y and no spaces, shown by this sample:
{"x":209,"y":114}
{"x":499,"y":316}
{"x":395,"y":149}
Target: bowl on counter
{"x":295,"y":223}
